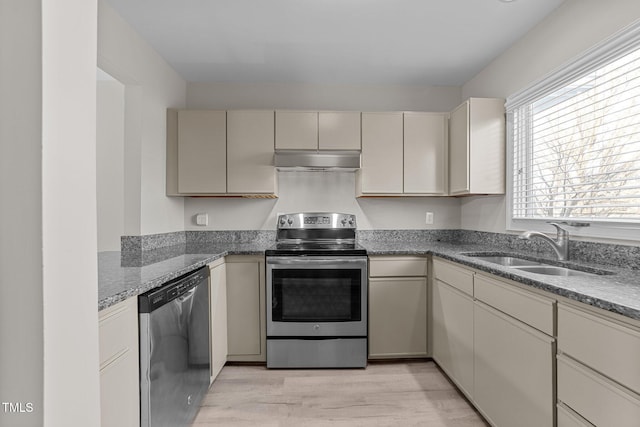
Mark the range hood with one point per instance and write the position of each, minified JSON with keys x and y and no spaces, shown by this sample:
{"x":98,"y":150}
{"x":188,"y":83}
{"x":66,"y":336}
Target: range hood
{"x":306,"y":160}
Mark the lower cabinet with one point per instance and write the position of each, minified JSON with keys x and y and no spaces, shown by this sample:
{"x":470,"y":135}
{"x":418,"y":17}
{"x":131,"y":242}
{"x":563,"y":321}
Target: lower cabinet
{"x":119,"y":372}
{"x":495,"y":341}
{"x":598,"y":369}
{"x":218,"y":304}
{"x":452,"y":334}
{"x":513,"y":370}
{"x":246,"y":311}
{"x":397,"y":307}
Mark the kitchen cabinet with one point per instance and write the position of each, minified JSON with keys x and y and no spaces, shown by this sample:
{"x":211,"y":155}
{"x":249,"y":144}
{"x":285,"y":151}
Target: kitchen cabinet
{"x":495,"y":341}
{"x":119,"y":372}
{"x":218,"y":318}
{"x":250,"y":152}
{"x":220,"y":153}
{"x":598,"y":371}
{"x":477,"y":147}
{"x":246,"y":310}
{"x":397,"y":307}
{"x":339,"y":130}
{"x":452,"y":323}
{"x":403,"y":154}
{"x":425,"y":153}
{"x":514,"y":354}
{"x":312,"y":130}
{"x":296,"y":130}
{"x":382,"y":159}
{"x":202,"y":151}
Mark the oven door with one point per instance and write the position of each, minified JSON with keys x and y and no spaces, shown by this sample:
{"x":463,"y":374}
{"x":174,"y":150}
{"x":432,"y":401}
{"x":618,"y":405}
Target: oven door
{"x":316,"y":296}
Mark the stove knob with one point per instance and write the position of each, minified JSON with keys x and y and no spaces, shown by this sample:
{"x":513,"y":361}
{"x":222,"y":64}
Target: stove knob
{"x":283,"y":221}
{"x":290,"y":221}
{"x":344,"y":222}
{"x":351,"y":222}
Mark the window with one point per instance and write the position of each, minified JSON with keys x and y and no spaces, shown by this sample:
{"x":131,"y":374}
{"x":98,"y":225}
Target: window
{"x":575,"y":141}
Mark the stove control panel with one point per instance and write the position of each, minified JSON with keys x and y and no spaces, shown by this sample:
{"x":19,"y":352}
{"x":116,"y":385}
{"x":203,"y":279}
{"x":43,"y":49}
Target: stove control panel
{"x":317,"y":220}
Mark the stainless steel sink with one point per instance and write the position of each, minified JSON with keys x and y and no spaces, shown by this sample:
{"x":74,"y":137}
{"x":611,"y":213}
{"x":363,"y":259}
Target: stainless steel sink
{"x":552,"y":270}
{"x":531,"y":266}
{"x":508,"y":261}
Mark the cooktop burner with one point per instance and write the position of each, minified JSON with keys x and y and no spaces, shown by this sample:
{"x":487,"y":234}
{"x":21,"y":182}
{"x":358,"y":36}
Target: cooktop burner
{"x":314,"y":248}
{"x":320,"y":233}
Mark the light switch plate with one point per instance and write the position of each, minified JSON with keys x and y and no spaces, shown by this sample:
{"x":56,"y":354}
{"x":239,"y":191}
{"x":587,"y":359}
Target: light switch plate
{"x":429,"y":218}
{"x":202,"y":219}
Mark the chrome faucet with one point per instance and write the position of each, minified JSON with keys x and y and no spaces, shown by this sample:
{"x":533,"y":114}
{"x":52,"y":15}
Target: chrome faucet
{"x":560,"y":245}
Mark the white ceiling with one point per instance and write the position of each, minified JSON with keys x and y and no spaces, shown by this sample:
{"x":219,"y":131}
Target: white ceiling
{"x":389,"y":42}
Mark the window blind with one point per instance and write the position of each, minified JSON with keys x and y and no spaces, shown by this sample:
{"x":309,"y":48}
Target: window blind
{"x":576,"y":144}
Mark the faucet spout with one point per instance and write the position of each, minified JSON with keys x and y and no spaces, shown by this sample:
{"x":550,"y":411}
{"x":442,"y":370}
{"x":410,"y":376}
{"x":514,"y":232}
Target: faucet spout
{"x":560,"y":244}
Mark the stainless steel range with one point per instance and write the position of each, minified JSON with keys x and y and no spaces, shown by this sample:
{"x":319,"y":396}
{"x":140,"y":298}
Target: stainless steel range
{"x":316,"y":293}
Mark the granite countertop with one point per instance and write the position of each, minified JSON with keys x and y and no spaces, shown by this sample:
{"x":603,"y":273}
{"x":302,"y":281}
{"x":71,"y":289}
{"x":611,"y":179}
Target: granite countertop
{"x":122,"y":275}
{"x":618,"y":292}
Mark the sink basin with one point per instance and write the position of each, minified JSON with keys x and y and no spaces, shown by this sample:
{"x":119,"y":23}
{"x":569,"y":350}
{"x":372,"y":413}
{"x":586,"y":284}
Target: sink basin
{"x":552,"y":270}
{"x":531,"y":266}
{"x":508,"y":261}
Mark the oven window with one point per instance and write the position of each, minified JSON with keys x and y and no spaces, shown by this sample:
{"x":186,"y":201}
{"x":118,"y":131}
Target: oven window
{"x":321,"y":295}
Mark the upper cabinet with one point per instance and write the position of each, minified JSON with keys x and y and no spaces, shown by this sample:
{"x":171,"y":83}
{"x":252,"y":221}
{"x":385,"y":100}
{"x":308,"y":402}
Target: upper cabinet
{"x":425,"y":153}
{"x":312,"y":130}
{"x":382,"y":164}
{"x":250,"y":152}
{"x":202,"y":148}
{"x":296,"y":130}
{"x":220,"y":153}
{"x":339,"y":130}
{"x":403,"y":154}
{"x":477,"y":147}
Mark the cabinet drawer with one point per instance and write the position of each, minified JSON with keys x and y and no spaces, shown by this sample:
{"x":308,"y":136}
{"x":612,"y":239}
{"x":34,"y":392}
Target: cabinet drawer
{"x":534,"y":310}
{"x":458,"y":277}
{"x":594,"y":397}
{"x":606,"y":346}
{"x":397,"y":266}
{"x":568,"y":418}
{"x":118,"y":326}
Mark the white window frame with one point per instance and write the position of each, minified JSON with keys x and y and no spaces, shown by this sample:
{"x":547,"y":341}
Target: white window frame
{"x":618,"y":45}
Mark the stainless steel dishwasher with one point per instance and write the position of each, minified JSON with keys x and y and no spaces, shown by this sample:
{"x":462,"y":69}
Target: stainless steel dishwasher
{"x":174,"y":350}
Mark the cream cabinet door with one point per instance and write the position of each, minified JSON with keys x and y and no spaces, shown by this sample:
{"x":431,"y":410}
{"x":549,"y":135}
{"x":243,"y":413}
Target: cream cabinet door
{"x":339,"y":130}
{"x":425,"y":153}
{"x":382,"y":159}
{"x":513,"y":370}
{"x":246,"y":311}
{"x":202,"y":152}
{"x":250,"y":148}
{"x":477,"y":147}
{"x":452,"y":329}
{"x":296,"y":130}
{"x":218,"y":303}
{"x":459,"y":150}
{"x":119,"y":372}
{"x":397,"y":317}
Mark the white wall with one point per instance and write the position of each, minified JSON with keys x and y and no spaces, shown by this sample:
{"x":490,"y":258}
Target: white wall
{"x":151,"y":86}
{"x":571,"y":29}
{"x":110,"y":162}
{"x":21,"y":334}
{"x":69,"y":243}
{"x":322,"y":191}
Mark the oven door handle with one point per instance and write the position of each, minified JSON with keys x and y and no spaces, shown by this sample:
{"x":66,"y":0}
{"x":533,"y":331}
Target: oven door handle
{"x":314,"y":261}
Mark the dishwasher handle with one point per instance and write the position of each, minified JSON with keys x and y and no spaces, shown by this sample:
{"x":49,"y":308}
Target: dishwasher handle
{"x":157,"y":297}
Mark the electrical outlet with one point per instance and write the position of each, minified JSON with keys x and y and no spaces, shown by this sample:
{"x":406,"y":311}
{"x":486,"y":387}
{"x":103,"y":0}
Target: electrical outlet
{"x":429,"y":218}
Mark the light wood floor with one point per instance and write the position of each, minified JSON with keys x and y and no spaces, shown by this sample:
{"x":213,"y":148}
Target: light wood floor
{"x":384,"y":394}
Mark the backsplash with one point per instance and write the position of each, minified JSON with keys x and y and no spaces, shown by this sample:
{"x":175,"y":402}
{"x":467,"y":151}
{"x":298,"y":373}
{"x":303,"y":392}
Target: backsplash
{"x":146,"y":249}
